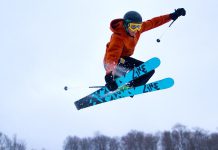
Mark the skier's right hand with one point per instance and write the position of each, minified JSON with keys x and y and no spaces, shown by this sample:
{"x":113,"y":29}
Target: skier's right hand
{"x":110,"y":82}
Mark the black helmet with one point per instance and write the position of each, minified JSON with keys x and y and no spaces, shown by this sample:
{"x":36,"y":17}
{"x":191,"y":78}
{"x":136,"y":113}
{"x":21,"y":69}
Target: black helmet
{"x":132,"y":16}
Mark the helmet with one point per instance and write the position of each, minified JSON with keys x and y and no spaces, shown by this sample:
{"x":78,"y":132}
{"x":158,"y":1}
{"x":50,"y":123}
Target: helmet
{"x":132,"y":16}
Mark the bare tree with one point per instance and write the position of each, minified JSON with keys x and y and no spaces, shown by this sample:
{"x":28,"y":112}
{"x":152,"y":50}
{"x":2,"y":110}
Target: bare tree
{"x":139,"y":139}
{"x":166,"y":141}
{"x":183,"y":139}
{"x":5,"y":142}
{"x":114,"y":144}
{"x":100,"y":142}
{"x":8,"y":144}
{"x":72,"y":143}
{"x":200,"y":139}
{"x":128,"y":141}
{"x":17,"y":145}
{"x":136,"y":140}
{"x":177,"y":134}
{"x":150,"y":142}
{"x":86,"y":144}
{"x":213,"y":141}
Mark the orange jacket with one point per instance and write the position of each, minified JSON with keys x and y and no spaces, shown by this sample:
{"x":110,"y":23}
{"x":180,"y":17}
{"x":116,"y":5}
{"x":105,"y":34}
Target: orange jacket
{"x":121,"y":44}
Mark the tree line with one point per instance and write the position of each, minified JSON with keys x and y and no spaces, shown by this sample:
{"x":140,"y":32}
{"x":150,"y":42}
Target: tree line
{"x":178,"y":138}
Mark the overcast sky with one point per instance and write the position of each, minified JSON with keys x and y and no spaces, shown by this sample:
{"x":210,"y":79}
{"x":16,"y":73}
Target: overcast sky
{"x":47,"y":44}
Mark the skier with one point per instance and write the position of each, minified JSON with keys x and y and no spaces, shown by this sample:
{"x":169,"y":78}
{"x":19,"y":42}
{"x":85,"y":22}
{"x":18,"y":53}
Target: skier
{"x":126,"y":33}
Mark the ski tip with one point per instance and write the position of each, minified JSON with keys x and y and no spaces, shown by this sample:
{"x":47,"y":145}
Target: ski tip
{"x":170,"y":81}
{"x":77,"y":105}
{"x":156,"y":58}
{"x":155,"y":61}
{"x":166,"y":83}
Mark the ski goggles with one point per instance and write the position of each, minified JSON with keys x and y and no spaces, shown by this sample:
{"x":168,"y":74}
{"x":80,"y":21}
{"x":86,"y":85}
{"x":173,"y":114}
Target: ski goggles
{"x":135,"y":26}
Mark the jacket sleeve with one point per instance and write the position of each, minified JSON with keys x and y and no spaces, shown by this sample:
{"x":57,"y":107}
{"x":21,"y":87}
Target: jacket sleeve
{"x":113,"y":52}
{"x":155,"y":22}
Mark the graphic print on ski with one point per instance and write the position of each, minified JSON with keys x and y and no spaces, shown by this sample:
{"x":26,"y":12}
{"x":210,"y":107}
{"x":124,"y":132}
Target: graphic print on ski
{"x":149,"y":87}
{"x":95,"y":97}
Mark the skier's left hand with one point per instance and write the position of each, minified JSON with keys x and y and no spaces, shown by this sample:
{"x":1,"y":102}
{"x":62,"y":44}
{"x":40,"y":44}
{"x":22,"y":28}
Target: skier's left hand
{"x":110,"y":82}
{"x":178,"y":12}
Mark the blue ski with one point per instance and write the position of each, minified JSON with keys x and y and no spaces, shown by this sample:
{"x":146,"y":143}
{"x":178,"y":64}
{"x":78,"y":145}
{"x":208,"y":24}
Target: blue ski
{"x":95,"y":97}
{"x":150,"y":87}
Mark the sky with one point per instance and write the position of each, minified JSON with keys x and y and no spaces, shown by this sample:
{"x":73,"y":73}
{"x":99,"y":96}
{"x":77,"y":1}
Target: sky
{"x":48,"y":44}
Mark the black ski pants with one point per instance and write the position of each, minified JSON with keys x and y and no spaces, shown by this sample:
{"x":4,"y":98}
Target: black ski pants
{"x":128,"y":63}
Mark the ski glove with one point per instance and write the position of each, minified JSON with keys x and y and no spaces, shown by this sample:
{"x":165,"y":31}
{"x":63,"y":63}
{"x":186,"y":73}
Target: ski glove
{"x":178,"y":12}
{"x":110,"y":82}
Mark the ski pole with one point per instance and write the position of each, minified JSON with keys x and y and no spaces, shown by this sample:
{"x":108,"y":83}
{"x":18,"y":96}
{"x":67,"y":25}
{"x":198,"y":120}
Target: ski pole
{"x":66,"y":88}
{"x":96,"y":86}
{"x":158,"y":40}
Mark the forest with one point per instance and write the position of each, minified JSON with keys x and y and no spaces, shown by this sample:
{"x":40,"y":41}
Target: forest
{"x":178,"y":138}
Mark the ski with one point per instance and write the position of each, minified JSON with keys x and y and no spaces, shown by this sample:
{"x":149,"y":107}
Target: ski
{"x":150,"y":87}
{"x":95,"y":97}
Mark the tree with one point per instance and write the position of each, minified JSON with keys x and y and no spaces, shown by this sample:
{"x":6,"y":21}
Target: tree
{"x":166,"y":141}
{"x":137,"y":140}
{"x":129,"y":141}
{"x":5,"y":142}
{"x":85,"y":144}
{"x":200,"y":139}
{"x":150,"y":142}
{"x":100,"y":142}
{"x":114,"y":144}
{"x":72,"y":143}
{"x":8,"y":144}
{"x":213,"y":141}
